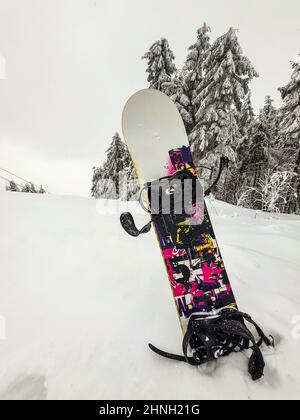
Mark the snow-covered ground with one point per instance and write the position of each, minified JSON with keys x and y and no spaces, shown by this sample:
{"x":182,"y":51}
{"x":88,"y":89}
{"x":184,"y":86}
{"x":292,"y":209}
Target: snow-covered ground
{"x":80,"y":300}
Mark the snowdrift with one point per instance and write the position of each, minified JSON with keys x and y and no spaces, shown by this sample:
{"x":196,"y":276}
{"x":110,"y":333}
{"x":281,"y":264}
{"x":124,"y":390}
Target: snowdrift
{"x":80,"y":300}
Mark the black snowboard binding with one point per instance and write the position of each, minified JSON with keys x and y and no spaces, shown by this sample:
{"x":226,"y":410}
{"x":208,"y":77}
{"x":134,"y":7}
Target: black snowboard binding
{"x":212,"y":336}
{"x":127,"y":220}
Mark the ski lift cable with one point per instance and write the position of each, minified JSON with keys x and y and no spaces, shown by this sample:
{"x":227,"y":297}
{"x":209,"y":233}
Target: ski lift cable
{"x":9,"y":180}
{"x":19,"y":177}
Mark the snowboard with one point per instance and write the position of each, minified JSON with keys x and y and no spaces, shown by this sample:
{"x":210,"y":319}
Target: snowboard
{"x":156,"y":138}
{"x":207,"y":310}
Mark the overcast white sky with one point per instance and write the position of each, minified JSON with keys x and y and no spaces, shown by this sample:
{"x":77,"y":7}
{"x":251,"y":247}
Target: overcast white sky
{"x":72,"y":64}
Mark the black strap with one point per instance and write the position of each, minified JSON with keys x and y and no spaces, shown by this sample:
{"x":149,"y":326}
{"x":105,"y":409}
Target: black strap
{"x":224,"y":162}
{"x":129,"y":226}
{"x":162,"y":353}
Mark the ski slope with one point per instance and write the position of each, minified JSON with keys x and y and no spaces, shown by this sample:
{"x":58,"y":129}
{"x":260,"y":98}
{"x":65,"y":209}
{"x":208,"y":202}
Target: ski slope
{"x":80,"y":300}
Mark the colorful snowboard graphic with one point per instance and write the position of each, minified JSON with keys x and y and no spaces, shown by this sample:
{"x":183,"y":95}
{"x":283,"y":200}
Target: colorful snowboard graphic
{"x":194,"y":263}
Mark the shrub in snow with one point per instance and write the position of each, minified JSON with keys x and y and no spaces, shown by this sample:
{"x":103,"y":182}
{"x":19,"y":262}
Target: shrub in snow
{"x":270,"y":194}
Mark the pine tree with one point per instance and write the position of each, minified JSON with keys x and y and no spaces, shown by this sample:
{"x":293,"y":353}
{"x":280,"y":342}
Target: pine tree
{"x":269,"y":118}
{"x":12,"y":187}
{"x":256,"y":156}
{"x":237,"y":176}
{"x":133,"y":186}
{"x":259,"y":136}
{"x":182,"y":88}
{"x":289,"y":132}
{"x":130,"y":188}
{"x":197,"y":54}
{"x":178,"y":91}
{"x":97,"y":176}
{"x":33,"y":189}
{"x":220,"y":99}
{"x":110,"y":180}
{"x":26,"y":188}
{"x":106,"y":187}
{"x":161,"y":65}
{"x":114,"y":165}
{"x":290,"y":124}
{"x":246,"y":118}
{"x":193,"y":70}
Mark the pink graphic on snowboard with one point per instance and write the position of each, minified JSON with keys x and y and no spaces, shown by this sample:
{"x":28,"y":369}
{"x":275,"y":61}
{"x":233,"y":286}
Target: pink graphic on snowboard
{"x":204,"y":283}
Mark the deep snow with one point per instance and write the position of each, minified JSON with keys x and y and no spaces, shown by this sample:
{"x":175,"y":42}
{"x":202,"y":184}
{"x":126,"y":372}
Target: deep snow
{"x":80,"y":300}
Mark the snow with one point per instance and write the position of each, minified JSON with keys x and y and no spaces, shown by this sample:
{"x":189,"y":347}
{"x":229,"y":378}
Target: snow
{"x":80,"y":300}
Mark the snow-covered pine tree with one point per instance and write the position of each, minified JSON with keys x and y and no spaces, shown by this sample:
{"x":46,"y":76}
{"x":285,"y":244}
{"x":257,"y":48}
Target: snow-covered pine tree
{"x":97,"y":175}
{"x":110,"y":180}
{"x":257,"y":155}
{"x":265,"y":128}
{"x":182,"y":88}
{"x":105,"y":187}
{"x":246,"y":122}
{"x":26,"y":188}
{"x":246,"y":118}
{"x":33,"y":189}
{"x":178,"y":90}
{"x":197,"y":54}
{"x":289,"y":133}
{"x":130,"y":185}
{"x":12,"y":187}
{"x":130,"y":188}
{"x":255,"y":158}
{"x":193,"y":70}
{"x":220,"y":99}
{"x":269,"y":117}
{"x":161,"y":65}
